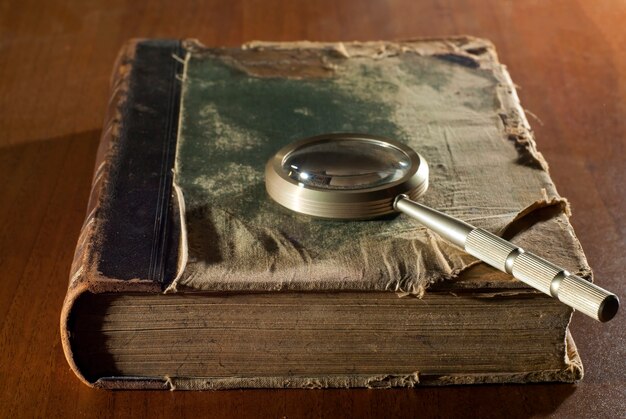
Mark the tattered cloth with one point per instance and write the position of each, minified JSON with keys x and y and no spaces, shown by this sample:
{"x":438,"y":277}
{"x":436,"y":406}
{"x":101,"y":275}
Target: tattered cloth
{"x":450,"y":100}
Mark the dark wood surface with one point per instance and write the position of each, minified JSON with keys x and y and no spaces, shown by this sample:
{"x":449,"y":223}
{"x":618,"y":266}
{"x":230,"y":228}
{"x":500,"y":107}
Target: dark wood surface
{"x":55,"y":60}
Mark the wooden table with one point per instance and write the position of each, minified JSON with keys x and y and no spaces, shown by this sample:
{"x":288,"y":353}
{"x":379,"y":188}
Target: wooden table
{"x":567,"y":56}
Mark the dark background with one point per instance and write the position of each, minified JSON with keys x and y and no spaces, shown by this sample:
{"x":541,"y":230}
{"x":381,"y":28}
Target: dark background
{"x":55,"y":61}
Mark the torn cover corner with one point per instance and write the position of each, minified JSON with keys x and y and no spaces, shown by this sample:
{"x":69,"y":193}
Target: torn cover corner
{"x":540,"y":209}
{"x":575,"y":370}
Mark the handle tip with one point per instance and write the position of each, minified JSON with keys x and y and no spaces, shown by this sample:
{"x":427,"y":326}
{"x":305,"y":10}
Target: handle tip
{"x":608,"y":308}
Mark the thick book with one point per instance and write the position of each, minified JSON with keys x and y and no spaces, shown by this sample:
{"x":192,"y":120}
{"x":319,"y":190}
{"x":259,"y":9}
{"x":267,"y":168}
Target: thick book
{"x":188,"y":276}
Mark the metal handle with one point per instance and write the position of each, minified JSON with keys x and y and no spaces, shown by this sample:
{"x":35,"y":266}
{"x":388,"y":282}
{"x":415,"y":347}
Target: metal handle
{"x":537,"y":272}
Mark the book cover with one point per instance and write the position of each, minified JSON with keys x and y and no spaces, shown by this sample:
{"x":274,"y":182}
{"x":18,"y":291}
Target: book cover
{"x":178,"y":203}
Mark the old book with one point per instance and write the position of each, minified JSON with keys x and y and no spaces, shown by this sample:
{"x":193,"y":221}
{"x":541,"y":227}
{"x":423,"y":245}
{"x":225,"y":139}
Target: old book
{"x":187,"y":276}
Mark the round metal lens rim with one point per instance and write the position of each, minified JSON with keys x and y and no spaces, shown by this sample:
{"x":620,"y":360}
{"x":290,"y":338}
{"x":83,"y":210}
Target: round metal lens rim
{"x":344,"y":204}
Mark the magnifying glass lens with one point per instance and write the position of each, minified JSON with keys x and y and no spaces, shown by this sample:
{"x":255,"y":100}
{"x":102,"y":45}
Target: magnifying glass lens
{"x":344,"y":175}
{"x":346,"y":164}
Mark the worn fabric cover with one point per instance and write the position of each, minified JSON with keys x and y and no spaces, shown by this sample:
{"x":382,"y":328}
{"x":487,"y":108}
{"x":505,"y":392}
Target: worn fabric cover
{"x":450,"y":100}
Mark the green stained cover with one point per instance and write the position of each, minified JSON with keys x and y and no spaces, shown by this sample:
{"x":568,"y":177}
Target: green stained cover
{"x":456,"y":108}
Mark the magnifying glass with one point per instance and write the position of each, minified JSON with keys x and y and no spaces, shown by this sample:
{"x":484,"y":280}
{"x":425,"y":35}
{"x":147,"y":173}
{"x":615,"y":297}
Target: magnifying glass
{"x":358,"y":176}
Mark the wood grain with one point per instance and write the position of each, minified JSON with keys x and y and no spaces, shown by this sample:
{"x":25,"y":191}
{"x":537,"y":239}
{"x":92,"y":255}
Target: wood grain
{"x":55,"y":62}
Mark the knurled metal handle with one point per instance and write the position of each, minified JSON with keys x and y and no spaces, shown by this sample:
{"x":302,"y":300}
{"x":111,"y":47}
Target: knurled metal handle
{"x":543,"y":275}
{"x":537,"y":272}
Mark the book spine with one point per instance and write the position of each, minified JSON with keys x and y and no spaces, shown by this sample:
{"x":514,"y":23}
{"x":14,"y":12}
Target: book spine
{"x":138,"y":237}
{"x":110,"y":134}
{"x":79,"y":280}
{"x":128,"y":241}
